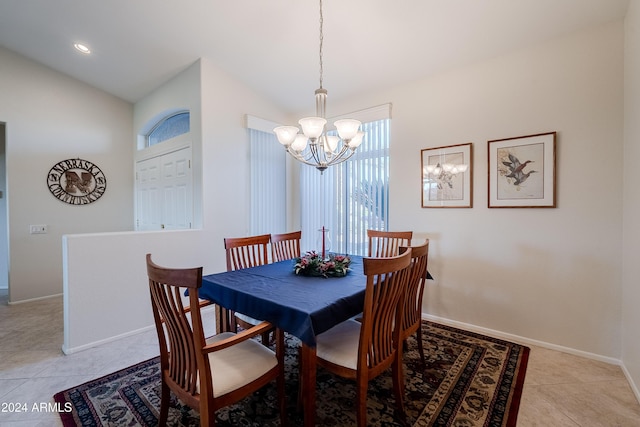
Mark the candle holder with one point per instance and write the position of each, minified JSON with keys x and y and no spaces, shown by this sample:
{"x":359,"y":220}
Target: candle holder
{"x":323,"y":243}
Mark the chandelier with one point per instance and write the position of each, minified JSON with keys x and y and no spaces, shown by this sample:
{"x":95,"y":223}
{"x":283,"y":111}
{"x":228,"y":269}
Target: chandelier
{"x":313,"y":146}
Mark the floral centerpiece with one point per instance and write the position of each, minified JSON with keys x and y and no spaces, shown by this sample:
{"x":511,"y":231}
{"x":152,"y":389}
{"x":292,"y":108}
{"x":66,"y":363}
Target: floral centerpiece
{"x":312,"y":264}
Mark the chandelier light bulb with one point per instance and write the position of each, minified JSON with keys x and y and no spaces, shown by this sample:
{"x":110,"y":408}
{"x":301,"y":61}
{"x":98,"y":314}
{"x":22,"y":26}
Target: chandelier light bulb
{"x":286,"y":134}
{"x":331,"y":144}
{"x":299,"y":143}
{"x":356,"y":140}
{"x":312,"y":127}
{"x":347,"y":128}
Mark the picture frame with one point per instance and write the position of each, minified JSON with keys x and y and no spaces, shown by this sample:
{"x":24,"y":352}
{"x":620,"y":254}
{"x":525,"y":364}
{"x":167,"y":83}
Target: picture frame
{"x":522,"y":171}
{"x":447,"y":176}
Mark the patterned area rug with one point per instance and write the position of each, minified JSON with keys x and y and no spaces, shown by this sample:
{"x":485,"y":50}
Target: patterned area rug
{"x":469,"y":380}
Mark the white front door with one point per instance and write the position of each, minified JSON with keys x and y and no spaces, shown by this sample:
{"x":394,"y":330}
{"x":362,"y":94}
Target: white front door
{"x":164,"y":191}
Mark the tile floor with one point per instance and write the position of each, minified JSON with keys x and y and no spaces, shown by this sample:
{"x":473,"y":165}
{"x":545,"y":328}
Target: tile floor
{"x":560,"y":389}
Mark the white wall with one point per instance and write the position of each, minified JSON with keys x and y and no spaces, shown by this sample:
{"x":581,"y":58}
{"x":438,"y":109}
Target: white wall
{"x":631,"y":224}
{"x":225,"y":154}
{"x":105,"y":274}
{"x":51,"y":117}
{"x":181,"y":92}
{"x":218,"y":105}
{"x":117,"y":289}
{"x":552,"y":275}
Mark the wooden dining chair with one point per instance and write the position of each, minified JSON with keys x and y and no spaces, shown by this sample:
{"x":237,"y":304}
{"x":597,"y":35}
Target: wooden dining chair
{"x":285,"y":246}
{"x":412,"y":314}
{"x":241,"y":253}
{"x":362,"y":350}
{"x":245,"y":252}
{"x":387,"y":243}
{"x":206,"y":374}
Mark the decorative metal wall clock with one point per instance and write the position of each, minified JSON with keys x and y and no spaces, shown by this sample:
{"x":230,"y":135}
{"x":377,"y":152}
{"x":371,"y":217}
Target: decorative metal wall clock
{"x":76,"y":181}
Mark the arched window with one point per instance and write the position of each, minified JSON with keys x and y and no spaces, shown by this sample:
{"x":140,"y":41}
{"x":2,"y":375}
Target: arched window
{"x":171,"y":126}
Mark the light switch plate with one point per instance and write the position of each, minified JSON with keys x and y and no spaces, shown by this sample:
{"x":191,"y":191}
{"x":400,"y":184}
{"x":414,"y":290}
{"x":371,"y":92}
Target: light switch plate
{"x":38,"y":229}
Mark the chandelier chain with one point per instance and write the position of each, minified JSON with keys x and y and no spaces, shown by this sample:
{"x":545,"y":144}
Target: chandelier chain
{"x":321,"y":43}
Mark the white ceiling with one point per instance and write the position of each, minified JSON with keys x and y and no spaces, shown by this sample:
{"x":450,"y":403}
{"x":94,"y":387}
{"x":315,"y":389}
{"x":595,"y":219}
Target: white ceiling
{"x":272,"y":45}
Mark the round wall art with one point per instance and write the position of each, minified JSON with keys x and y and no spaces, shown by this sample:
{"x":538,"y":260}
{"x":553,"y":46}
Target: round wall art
{"x":76,"y":181}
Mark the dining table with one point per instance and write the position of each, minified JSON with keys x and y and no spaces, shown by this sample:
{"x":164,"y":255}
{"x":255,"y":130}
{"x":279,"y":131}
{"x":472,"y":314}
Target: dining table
{"x":303,"y":306}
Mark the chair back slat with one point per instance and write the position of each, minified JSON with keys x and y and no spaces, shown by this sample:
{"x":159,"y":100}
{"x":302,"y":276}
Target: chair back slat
{"x":246,"y":252}
{"x":178,"y":348}
{"x":415,"y":288}
{"x":285,"y":246}
{"x":381,"y":318}
{"x":387,"y":243}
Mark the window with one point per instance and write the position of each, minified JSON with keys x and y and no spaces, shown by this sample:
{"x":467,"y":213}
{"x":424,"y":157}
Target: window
{"x":169,"y":127}
{"x":268,"y":180}
{"x":348,"y":198}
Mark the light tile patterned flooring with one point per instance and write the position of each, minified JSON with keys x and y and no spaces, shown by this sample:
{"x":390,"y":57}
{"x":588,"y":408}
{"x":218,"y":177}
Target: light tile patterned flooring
{"x":560,"y":389}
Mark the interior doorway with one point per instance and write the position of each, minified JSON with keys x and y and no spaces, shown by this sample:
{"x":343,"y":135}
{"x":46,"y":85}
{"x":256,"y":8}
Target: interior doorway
{"x":4,"y":223}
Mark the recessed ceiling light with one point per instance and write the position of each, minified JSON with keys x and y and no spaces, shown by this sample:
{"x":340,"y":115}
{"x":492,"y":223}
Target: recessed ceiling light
{"x":82,"y":48}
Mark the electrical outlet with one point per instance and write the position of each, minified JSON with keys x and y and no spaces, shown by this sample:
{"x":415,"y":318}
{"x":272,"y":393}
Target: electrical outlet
{"x":38,"y":229}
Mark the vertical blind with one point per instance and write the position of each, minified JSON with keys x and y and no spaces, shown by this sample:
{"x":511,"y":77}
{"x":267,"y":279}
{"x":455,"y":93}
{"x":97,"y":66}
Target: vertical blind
{"x":348,"y":198}
{"x":268,"y":184}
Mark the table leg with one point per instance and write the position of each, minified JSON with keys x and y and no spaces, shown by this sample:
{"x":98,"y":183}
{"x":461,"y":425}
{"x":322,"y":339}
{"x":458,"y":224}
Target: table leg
{"x":308,"y":382}
{"x":222,"y":319}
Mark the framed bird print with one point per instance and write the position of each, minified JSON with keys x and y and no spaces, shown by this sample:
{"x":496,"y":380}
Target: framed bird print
{"x":522,"y":171}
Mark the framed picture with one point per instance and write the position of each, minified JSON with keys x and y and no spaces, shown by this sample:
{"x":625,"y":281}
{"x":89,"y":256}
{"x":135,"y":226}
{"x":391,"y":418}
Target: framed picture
{"x":522,"y":171}
{"x":447,"y":176}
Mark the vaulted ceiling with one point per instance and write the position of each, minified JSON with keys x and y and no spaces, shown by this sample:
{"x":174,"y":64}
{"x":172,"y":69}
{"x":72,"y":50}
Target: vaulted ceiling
{"x":272,"y":46}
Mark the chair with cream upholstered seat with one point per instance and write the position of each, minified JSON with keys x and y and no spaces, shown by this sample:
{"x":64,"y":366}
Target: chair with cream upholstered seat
{"x":362,"y":350}
{"x":241,"y":253}
{"x":206,"y":374}
{"x":387,"y":243}
{"x":285,"y":246}
{"x":412,"y":314}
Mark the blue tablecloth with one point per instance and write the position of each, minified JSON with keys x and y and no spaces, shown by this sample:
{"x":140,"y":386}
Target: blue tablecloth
{"x":302,"y":306}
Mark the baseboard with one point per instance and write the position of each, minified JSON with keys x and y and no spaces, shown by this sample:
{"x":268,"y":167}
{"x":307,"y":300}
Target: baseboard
{"x":207,"y":312}
{"x":522,"y":340}
{"x":33,"y":299}
{"x":70,"y":350}
{"x":528,"y":341}
{"x":632,"y":384}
